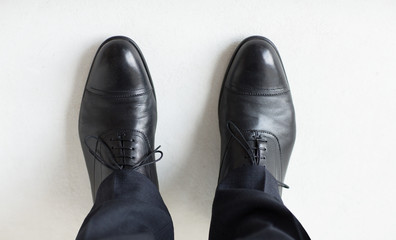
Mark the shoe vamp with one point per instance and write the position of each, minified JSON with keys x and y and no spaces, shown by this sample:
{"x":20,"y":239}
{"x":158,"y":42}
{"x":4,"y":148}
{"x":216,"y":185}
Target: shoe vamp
{"x":273,"y":114}
{"x":101,"y":113}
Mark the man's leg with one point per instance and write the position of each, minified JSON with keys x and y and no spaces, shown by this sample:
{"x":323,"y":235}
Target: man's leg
{"x":117,"y":125}
{"x":128,"y":206}
{"x":257,"y":129}
{"x":247,"y":205}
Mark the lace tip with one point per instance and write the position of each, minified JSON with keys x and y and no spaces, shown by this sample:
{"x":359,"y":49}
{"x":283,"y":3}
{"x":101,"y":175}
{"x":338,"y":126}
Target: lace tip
{"x":283,"y":185}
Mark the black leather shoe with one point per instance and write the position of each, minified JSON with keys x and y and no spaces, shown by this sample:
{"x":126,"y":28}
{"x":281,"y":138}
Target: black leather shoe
{"x":256,"y":113}
{"x":118,"y":114}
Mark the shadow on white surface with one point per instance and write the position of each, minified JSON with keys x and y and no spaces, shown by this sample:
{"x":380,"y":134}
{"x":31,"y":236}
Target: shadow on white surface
{"x":190,"y":191}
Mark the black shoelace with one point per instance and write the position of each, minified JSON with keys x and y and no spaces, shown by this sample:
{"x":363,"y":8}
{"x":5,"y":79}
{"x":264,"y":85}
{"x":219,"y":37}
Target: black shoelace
{"x":113,"y":164}
{"x":236,"y":133}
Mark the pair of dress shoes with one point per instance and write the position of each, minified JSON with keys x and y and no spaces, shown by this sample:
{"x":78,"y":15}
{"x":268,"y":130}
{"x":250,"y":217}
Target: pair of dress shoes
{"x":118,"y":114}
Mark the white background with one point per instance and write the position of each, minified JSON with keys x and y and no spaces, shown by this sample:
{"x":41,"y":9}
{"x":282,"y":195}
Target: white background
{"x":340,"y":57}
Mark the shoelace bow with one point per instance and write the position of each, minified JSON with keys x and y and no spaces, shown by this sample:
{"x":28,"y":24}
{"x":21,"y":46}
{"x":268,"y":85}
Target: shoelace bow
{"x":114,"y":164}
{"x":238,"y":136}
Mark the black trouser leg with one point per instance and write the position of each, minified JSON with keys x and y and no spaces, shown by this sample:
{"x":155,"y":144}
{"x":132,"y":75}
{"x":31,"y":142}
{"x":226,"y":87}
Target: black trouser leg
{"x":247,"y":205}
{"x":128,"y":206}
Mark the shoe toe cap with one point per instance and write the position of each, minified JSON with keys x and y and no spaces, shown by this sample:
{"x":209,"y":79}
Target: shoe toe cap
{"x":118,"y":66}
{"x":256,"y":67}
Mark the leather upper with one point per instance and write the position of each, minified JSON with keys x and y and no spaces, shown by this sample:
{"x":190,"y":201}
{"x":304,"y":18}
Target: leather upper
{"x":118,"y":114}
{"x":255,"y":102}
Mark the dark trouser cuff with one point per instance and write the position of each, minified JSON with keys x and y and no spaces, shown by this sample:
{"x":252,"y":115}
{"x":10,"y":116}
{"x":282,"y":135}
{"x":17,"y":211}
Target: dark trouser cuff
{"x":128,"y":206}
{"x":247,"y":205}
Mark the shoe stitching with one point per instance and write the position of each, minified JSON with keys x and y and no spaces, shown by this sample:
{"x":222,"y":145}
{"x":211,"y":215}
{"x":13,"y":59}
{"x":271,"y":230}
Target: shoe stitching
{"x":257,"y":93}
{"x":124,"y":95}
{"x":247,"y":89}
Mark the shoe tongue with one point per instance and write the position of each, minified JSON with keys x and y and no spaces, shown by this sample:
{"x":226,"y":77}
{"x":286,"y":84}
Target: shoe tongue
{"x":126,"y":147}
{"x":263,"y":146}
{"x":267,"y":150}
{"x":258,"y":144}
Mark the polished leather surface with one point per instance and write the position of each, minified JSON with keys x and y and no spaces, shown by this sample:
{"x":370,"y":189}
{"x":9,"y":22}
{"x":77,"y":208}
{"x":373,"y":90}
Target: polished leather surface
{"x":118,"y":112}
{"x":255,"y":102}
